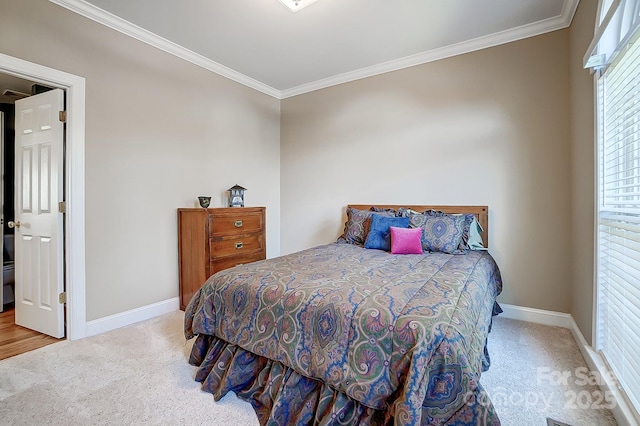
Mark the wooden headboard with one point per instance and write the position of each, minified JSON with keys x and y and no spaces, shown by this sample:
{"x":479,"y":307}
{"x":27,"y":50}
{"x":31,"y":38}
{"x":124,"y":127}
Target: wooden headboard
{"x":481,"y":213}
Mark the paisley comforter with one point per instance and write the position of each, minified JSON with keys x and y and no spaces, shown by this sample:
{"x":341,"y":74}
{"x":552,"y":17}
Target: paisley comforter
{"x":339,"y":334}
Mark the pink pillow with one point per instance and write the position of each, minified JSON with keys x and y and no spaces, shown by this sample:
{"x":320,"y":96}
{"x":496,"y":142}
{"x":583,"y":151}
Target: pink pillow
{"x":406,"y":240}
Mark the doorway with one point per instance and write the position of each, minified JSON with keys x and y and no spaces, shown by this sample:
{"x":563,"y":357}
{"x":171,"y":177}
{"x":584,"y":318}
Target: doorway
{"x":74,"y":218}
{"x":7,"y":287}
{"x":14,"y":339}
{"x":6,"y":195}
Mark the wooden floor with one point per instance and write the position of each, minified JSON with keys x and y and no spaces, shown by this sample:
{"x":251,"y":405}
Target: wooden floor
{"x":15,"y":340}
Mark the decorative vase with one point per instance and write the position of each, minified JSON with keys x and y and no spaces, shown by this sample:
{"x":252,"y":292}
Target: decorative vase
{"x":204,"y":201}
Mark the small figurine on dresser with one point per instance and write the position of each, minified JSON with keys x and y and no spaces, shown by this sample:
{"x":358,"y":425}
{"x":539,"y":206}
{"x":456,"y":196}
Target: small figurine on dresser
{"x":204,"y":201}
{"x":236,"y":196}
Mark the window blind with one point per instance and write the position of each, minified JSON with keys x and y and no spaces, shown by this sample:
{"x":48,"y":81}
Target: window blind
{"x":618,"y":278}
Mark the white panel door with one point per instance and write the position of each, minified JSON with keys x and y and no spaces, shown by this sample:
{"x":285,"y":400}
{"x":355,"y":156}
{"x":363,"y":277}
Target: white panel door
{"x":39,"y":273}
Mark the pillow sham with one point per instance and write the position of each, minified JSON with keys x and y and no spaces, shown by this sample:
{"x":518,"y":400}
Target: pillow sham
{"x":406,"y":240}
{"x":440,"y":232}
{"x":474,"y":240}
{"x":471,"y":238}
{"x":356,"y":228}
{"x":379,"y":236}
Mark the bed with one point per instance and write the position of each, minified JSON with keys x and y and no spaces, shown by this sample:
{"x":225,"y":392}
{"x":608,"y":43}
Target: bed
{"x":342,"y":334}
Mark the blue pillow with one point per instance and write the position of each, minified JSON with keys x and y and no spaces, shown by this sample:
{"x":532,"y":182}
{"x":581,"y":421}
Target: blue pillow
{"x":379,"y":236}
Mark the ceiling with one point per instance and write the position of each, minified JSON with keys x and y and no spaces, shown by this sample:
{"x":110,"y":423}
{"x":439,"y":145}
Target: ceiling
{"x":262,"y":44}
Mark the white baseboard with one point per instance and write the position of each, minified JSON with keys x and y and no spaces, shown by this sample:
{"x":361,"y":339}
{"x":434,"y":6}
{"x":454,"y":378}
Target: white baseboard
{"x":539,"y":316}
{"x":133,"y":316}
{"x":623,"y":411}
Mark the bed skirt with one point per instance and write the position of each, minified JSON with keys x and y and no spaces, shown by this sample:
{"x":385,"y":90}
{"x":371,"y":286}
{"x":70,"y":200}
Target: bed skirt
{"x":281,"y":396}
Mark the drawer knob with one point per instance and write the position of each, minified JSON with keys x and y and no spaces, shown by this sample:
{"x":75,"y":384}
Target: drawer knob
{"x":238,"y":224}
{"x":239,"y":245}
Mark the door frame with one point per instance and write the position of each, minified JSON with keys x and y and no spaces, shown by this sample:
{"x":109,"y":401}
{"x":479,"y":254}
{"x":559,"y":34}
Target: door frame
{"x":74,"y":220}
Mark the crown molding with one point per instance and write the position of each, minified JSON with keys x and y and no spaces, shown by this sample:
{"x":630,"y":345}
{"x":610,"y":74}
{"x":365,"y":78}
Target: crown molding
{"x":569,"y":10}
{"x":503,"y":37}
{"x":114,"y":22}
{"x":94,"y":13}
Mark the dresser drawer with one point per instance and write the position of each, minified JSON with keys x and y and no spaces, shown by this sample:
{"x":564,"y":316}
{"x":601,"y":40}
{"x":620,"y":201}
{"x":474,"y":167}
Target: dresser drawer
{"x":213,"y":239}
{"x":230,"y":261}
{"x":227,"y":246}
{"x":232,"y":224}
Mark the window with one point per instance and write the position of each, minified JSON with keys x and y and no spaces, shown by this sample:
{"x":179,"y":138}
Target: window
{"x":617,"y":49}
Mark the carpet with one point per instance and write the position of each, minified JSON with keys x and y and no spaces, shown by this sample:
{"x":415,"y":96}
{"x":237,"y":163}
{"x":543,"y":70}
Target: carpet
{"x":140,"y":375}
{"x":537,"y":372}
{"x":131,"y":376}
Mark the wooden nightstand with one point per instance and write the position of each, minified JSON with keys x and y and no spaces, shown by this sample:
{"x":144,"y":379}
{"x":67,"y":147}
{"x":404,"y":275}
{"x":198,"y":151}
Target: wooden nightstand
{"x":210,"y":240}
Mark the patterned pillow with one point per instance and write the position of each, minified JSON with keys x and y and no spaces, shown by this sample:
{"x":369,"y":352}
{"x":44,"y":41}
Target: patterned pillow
{"x":474,"y":240}
{"x":379,"y":236}
{"x":440,"y":231}
{"x":471,"y":234}
{"x":468,"y":221}
{"x":356,"y":228}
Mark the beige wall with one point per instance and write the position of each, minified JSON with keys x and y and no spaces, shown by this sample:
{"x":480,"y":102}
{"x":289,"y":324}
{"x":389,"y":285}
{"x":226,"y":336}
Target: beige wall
{"x":159,"y":132}
{"x":583,"y":170}
{"x":510,"y":127}
{"x":490,"y":127}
